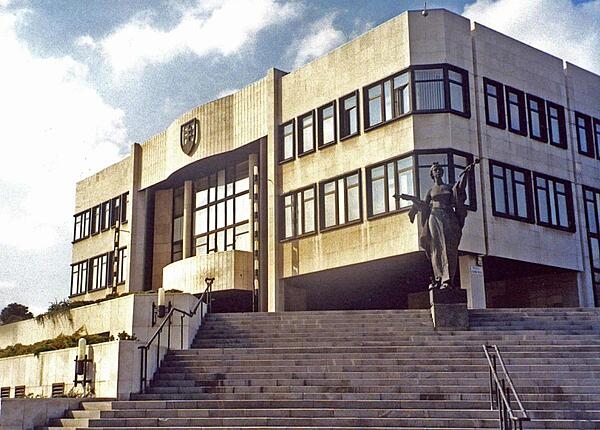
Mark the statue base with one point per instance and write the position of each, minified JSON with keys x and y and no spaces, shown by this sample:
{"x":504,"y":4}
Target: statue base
{"x":449,"y":309}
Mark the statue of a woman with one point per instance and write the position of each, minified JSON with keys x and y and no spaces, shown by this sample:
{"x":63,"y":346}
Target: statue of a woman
{"x":443,"y":214}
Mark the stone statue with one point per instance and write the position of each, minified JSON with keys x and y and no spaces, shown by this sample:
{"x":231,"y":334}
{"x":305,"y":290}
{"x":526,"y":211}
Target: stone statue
{"x":443,"y":214}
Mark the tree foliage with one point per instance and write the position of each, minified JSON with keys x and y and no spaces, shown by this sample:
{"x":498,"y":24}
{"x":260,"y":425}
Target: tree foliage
{"x":14,"y":312}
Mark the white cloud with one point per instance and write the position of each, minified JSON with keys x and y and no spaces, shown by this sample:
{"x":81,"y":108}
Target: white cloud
{"x":211,"y":27}
{"x":558,"y":27}
{"x":86,"y":41}
{"x":55,"y":129}
{"x":7,"y":285}
{"x":321,"y":38}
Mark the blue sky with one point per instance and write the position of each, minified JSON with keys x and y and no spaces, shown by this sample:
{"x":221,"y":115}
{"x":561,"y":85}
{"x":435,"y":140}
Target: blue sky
{"x":81,"y":80}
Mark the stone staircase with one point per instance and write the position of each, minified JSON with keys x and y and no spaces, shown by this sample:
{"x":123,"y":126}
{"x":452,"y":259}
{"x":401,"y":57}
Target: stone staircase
{"x":365,"y":369}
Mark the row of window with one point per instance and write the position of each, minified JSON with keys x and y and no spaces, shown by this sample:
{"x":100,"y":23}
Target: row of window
{"x":592,"y":214}
{"x":340,"y":201}
{"x":588,"y":135}
{"x":221,"y":212}
{"x":98,"y":272}
{"x":100,"y":218}
{"x":422,"y":89}
{"x":517,"y":192}
{"x":19,"y":392}
{"x":523,"y":114}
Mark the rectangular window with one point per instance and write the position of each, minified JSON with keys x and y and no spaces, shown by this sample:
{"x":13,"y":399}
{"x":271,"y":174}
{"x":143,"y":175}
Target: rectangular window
{"x":536,"y":114}
{"x":458,"y":91}
{"x":287,"y":149}
{"x":105,"y":216}
{"x":4,"y":392}
{"x":597,"y":136}
{"x":115,"y":211}
{"x":20,"y":392}
{"x":585,"y":142}
{"x":327,"y":126}
{"x":515,"y":108}
{"x":299,"y":213}
{"x":340,"y":201}
{"x":494,"y":103}
{"x":554,"y":205}
{"x":592,"y":216}
{"x":557,"y":128}
{"x":429,"y":89}
{"x":82,"y":225}
{"x":177,"y":229}
{"x":99,"y":272}
{"x":306,"y":134}
{"x":349,"y":115}
{"x":401,"y":94}
{"x":511,"y":192}
{"x":386,"y":182}
{"x":96,"y":220}
{"x":124,"y":205}
{"x":122,"y":266}
{"x":79,"y":278}
{"x":374,"y":112}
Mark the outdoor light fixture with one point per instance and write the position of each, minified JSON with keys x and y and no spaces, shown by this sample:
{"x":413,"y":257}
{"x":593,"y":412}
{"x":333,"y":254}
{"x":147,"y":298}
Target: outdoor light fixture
{"x":161,"y":309}
{"x":82,"y":364}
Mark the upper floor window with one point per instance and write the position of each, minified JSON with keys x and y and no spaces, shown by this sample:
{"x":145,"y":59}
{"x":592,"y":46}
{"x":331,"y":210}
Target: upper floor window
{"x":554,"y":202}
{"x":511,"y":191}
{"x":340,"y":201}
{"x":585,"y":142}
{"x":494,"y":103}
{"x":385,"y":182}
{"x":99,"y":272}
{"x":429,"y":89}
{"x":121,"y":265}
{"x":105,"y":215}
{"x":96,"y":220}
{"x":327,"y":126}
{"x":592,"y":216}
{"x":177,"y":242}
{"x":287,"y":141}
{"x":82,"y":225}
{"x":536,"y":114}
{"x":222,"y":211}
{"x":79,"y":278}
{"x":299,"y":213}
{"x":515,"y":108}
{"x":597,"y":136}
{"x":306,"y":133}
{"x":349,"y":115}
{"x":557,"y":129}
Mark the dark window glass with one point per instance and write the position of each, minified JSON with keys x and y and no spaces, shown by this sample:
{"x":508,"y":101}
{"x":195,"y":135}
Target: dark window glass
{"x":494,"y":103}
{"x":592,"y":216}
{"x":299,"y":213}
{"x":349,"y":115}
{"x":597,"y":136}
{"x":340,"y":201}
{"x":583,"y":124}
{"x":557,"y":129}
{"x":515,"y":109}
{"x":124,"y":204}
{"x":327,"y":126}
{"x":553,"y":202}
{"x":105,"y":215}
{"x":306,"y":133}
{"x":177,"y":230}
{"x":387,"y":181}
{"x":536,"y":113}
{"x":115,"y":211}
{"x":511,"y":192}
{"x":287,"y":141}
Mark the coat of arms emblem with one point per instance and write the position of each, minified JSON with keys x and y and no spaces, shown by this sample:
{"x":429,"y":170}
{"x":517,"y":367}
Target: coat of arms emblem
{"x":190,"y":132}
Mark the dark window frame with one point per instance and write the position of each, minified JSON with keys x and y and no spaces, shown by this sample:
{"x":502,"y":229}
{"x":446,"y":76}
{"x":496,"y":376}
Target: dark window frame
{"x":96,"y":221}
{"x":552,"y":201}
{"x":345,"y":115}
{"x":596,"y":135}
{"x":298,"y":205}
{"x":4,"y":392}
{"x":530,"y":207}
{"x":588,"y":150}
{"x":79,"y":282}
{"x":320,"y":119}
{"x":521,"y":106}
{"x":386,"y":179}
{"x":542,"y":122}
{"x":594,"y":201}
{"x":99,"y":281}
{"x":282,"y":135}
{"x":82,"y":225}
{"x":300,"y":134}
{"x":345,"y":190}
{"x":498,"y":100}
{"x":561,"y":141}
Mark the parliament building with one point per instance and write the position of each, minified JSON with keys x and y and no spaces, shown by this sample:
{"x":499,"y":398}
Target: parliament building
{"x":283,"y":191}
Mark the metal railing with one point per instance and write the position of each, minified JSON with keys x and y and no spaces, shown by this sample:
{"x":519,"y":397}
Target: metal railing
{"x":205,"y":297}
{"x":502,"y":391}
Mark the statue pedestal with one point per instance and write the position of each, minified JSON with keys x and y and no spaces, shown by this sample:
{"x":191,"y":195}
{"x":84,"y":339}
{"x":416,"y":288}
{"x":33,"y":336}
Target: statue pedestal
{"x":449,"y":309}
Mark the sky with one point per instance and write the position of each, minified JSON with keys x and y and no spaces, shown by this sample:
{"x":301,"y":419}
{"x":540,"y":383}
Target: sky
{"x":81,"y":80}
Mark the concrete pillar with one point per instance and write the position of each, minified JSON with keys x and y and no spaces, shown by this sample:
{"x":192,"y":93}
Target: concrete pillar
{"x":188,"y":213}
{"x":472,"y":280}
{"x":137,"y":225}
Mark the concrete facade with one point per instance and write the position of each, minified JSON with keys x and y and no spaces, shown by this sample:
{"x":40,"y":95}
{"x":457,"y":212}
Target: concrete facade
{"x":278,"y":214}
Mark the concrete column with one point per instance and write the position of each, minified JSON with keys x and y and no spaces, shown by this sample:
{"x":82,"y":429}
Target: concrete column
{"x":137,"y":225}
{"x":188,"y":213}
{"x":472,"y":280}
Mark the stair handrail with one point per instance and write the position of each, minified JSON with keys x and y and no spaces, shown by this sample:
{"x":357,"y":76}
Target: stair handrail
{"x":206,"y":295}
{"x":500,"y":393}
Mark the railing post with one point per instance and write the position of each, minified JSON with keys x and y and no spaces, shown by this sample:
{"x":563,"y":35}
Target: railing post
{"x":181,"y":335}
